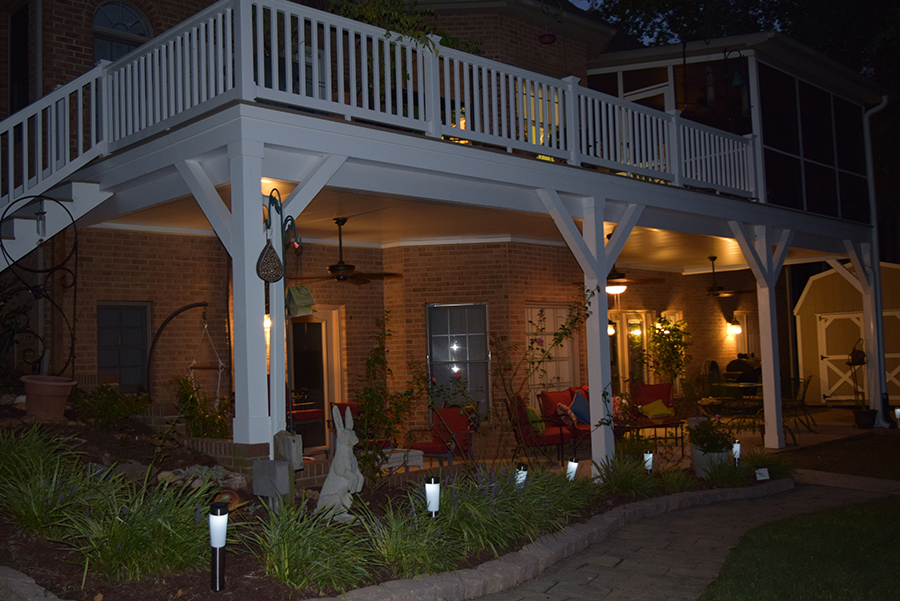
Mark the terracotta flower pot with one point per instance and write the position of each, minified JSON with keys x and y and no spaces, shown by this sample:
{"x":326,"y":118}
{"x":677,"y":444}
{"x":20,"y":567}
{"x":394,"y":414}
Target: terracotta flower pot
{"x":46,"y":396}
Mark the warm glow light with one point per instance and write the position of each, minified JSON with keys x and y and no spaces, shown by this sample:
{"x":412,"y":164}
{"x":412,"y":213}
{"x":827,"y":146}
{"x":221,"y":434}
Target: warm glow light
{"x":611,"y":328}
{"x":433,"y":495}
{"x":635,"y":332}
{"x":733,"y":328}
{"x":616,"y":289}
{"x":267,"y":322}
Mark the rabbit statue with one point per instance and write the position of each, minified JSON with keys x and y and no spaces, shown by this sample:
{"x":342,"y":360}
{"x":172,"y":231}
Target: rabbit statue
{"x":344,"y":477}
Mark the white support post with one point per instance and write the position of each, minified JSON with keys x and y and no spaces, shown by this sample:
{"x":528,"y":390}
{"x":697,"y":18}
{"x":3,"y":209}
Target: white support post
{"x":573,"y":85}
{"x":596,"y":338}
{"x":766,"y":266}
{"x":251,"y":420}
{"x":873,"y":327}
{"x":675,"y":150}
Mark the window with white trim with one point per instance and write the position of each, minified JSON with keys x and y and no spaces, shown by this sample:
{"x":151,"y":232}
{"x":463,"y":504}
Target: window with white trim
{"x":458,"y":348}
{"x":119,"y":28}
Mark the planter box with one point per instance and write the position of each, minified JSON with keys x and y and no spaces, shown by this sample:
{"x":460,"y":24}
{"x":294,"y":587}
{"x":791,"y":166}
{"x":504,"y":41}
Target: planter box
{"x":701,"y":461}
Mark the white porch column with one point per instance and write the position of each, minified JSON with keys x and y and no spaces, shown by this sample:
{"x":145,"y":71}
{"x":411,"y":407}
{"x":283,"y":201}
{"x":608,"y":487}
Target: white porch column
{"x":595,"y":258}
{"x":868,"y":272}
{"x":596,"y":338}
{"x":766,"y":267}
{"x":251,"y":420}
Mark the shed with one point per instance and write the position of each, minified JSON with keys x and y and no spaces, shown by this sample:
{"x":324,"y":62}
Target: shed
{"x":829,"y":318}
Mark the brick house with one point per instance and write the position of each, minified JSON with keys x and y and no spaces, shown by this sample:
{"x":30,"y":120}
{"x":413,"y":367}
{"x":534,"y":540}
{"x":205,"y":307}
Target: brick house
{"x":492,"y":184}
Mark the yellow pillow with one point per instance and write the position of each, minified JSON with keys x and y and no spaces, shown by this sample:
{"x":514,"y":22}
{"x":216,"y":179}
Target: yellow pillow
{"x":656,"y":409}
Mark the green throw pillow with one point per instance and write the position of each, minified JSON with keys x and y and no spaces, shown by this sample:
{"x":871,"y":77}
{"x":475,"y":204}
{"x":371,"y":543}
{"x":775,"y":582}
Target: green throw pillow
{"x":535,"y":420}
{"x":656,"y":409}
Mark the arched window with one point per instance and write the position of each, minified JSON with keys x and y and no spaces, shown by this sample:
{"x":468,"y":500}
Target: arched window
{"x":118,"y":29}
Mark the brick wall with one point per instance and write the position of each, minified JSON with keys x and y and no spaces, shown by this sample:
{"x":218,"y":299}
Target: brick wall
{"x":168,"y":272}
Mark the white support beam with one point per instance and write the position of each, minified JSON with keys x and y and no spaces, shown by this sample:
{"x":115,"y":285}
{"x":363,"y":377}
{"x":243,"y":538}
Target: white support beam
{"x":586,"y":257}
{"x":766,"y":266}
{"x":251,"y":421}
{"x":846,"y":274}
{"x":210,"y":202}
{"x":868,"y":275}
{"x":623,"y":229}
{"x":312,"y":184}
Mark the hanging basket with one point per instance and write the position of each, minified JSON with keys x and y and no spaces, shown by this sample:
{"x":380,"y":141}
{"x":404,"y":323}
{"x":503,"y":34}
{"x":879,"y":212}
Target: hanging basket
{"x":268,"y":266}
{"x":857,"y":355}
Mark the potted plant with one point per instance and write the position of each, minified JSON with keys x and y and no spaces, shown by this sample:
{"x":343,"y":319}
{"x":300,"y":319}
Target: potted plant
{"x":863,"y":414}
{"x":667,"y":348}
{"x":710,"y":442}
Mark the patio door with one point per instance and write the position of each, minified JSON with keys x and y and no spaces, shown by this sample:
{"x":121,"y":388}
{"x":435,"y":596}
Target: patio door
{"x":314,"y":371}
{"x":628,"y":343}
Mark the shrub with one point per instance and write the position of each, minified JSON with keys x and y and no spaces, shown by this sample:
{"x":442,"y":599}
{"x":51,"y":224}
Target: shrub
{"x":204,"y":416}
{"x":711,"y":436}
{"x":108,"y":408}
{"x":779,"y":466}
{"x":626,"y":476}
{"x":676,"y":480}
{"x":726,"y":474}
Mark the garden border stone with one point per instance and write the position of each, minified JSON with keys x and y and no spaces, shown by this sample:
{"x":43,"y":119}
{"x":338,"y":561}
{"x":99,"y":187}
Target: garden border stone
{"x":515,"y":568}
{"x":496,"y":575}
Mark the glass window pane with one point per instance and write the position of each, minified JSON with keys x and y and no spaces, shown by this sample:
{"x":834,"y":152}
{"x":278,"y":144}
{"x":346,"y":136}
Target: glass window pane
{"x":440,"y":348}
{"x":476,"y":317}
{"x":107,"y":337}
{"x":458,"y":320}
{"x":438,"y":320}
{"x":131,"y":357}
{"x":132,"y":337}
{"x":477,"y":346}
{"x":459,"y":348}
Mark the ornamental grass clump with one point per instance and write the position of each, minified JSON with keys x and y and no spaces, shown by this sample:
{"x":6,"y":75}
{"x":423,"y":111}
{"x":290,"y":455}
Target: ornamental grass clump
{"x":41,"y":481}
{"x":305,"y":549}
{"x":134,"y":531}
{"x":676,"y":480}
{"x":624,"y":475}
{"x":408,"y":541}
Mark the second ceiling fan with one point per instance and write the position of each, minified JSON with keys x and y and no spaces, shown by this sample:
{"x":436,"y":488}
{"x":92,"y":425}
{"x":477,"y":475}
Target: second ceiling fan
{"x":719,"y":291}
{"x":345,"y":272}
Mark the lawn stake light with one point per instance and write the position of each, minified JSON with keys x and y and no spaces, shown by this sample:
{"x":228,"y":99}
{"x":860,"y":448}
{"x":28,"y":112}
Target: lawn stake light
{"x":521,"y":474}
{"x":648,"y":461}
{"x":897,"y":415}
{"x":433,"y":495}
{"x":572,"y":468}
{"x":218,"y":528}
{"x":736,"y":451}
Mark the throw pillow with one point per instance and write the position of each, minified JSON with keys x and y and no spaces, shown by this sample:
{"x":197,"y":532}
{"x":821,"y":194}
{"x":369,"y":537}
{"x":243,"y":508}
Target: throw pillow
{"x":581,"y":408}
{"x":535,"y":420}
{"x":566,"y":412}
{"x":656,"y":409}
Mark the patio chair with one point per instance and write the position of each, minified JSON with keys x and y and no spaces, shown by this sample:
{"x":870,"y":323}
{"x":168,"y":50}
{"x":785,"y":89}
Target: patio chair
{"x":451,"y":434}
{"x":538,"y":435}
{"x":550,"y":411}
{"x":653,"y":410}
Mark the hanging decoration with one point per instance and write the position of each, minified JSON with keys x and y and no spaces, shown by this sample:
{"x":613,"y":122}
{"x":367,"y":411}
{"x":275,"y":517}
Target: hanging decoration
{"x":299,"y":301}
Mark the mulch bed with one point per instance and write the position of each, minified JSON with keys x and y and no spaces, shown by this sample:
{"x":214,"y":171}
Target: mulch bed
{"x":60,"y":572}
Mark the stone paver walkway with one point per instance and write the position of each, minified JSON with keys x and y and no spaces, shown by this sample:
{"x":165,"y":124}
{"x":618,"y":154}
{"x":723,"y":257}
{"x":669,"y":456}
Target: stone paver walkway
{"x":674,"y":556}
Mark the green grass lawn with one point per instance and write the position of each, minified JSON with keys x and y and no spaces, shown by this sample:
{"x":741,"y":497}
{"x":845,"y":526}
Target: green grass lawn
{"x":840,"y":554}
{"x":877,"y":456}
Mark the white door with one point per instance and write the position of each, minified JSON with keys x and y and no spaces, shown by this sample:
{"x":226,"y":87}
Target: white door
{"x":837,"y":334}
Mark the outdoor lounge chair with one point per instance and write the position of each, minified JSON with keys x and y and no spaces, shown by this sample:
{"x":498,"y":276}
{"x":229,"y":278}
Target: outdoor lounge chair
{"x":451,"y":434}
{"x":528,"y":436}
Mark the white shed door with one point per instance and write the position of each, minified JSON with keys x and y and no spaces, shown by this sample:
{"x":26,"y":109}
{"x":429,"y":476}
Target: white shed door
{"x":837,"y":333}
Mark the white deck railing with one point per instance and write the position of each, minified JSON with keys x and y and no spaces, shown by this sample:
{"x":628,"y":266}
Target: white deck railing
{"x":279,"y":52}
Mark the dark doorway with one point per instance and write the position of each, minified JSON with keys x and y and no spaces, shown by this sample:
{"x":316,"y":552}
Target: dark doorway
{"x":307,"y":379}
